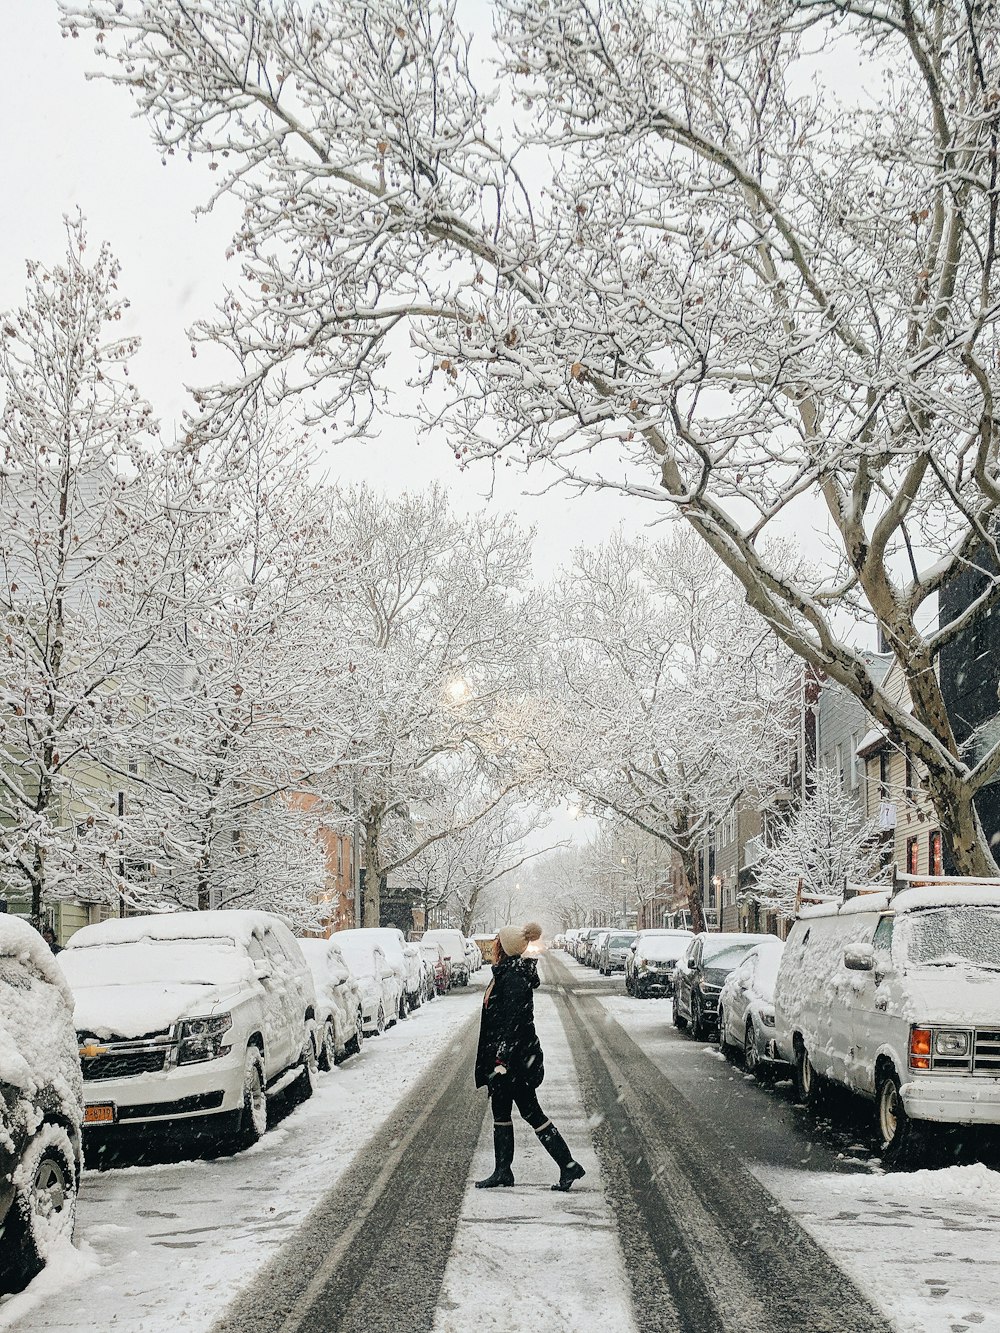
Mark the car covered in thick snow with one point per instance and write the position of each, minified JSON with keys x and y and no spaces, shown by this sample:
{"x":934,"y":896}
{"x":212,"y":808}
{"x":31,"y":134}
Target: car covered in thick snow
{"x":650,"y":962}
{"x":41,"y":1105}
{"x":453,"y":943}
{"x":377,"y":979}
{"x":699,"y":976}
{"x":191,"y":1020}
{"x":403,"y":958}
{"x":746,"y":1009}
{"x":897,"y":997}
{"x":474,"y":955}
{"x":340,"y":1021}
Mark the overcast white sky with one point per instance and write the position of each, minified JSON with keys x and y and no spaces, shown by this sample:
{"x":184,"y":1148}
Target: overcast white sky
{"x":72,"y":143}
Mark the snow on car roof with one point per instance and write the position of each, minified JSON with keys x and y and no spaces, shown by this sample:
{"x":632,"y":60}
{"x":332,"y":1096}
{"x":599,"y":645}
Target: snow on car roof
{"x":19,"y":939}
{"x":950,"y":893}
{"x":237,"y":925}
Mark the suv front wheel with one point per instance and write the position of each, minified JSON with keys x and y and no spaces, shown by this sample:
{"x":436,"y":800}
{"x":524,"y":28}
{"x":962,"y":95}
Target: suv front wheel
{"x":43,"y":1210}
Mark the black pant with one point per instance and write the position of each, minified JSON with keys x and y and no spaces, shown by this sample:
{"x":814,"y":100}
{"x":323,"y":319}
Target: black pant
{"x":507,"y":1092}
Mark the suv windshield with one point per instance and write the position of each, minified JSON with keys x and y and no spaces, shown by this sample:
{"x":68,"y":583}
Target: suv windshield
{"x":952,"y":937}
{"x":200,"y":962}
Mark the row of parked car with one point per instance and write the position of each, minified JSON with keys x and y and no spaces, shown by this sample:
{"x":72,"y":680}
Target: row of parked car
{"x":185,"y":1021}
{"x":890,"y":993}
{"x":648,"y":958}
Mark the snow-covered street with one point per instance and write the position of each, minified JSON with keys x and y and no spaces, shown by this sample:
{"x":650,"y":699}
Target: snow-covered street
{"x":710,"y":1203}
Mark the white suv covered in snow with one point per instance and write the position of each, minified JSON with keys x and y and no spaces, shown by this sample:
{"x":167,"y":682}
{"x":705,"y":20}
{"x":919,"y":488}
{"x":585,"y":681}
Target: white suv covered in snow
{"x":191,"y":1017}
{"x":898,"y":998}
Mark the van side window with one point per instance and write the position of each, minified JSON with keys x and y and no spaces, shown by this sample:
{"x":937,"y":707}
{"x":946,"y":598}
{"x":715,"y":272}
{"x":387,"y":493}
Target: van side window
{"x":882,"y":943}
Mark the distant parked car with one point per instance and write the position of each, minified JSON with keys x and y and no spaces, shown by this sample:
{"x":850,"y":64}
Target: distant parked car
{"x":746,"y":1009}
{"x":593,"y":947}
{"x":377,"y":979}
{"x":437,"y":963}
{"x":41,"y":1105}
{"x":474,"y":955}
{"x":615,"y":947}
{"x":651,"y":961}
{"x":193,"y":1020}
{"x":340,"y":1019}
{"x":453,"y":943}
{"x":707,"y":961}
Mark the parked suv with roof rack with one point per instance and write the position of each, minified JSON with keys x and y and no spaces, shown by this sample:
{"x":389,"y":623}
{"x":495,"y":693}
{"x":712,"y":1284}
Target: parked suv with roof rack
{"x":897,"y":997}
{"x":191,"y":1019}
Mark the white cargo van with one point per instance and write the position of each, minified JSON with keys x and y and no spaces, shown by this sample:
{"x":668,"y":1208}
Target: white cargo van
{"x":896,"y":995}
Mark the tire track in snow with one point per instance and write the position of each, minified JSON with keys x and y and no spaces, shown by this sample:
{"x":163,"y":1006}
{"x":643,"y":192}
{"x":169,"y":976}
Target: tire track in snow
{"x":691,"y":1216}
{"x":371,"y":1256}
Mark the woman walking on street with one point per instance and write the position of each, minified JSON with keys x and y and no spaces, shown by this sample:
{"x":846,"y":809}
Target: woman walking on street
{"x":509,"y":1060}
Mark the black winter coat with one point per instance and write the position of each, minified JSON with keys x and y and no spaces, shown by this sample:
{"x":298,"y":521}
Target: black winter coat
{"x":507,"y":1030}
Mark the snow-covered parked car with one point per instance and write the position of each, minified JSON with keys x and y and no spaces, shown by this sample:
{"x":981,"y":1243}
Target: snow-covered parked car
{"x":340,"y":1020}
{"x":746,"y":1009}
{"x":897,"y":997}
{"x":453,"y":943}
{"x":403,"y":958}
{"x":377,"y":979}
{"x":41,"y":1105}
{"x":650,"y":963}
{"x":191,"y":1019}
{"x":474,"y":955}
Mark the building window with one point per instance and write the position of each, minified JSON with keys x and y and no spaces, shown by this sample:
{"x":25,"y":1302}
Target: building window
{"x":855,"y":761}
{"x":934,"y":858}
{"x":911,"y":777}
{"x":883,"y":774}
{"x":840,"y":763}
{"x":913,"y":856}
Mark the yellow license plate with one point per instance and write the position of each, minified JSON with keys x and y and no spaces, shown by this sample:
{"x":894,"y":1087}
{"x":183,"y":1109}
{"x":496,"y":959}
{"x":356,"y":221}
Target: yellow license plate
{"x":102,"y":1113}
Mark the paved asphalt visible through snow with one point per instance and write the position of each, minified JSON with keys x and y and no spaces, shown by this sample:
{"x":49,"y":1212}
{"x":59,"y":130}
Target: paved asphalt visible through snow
{"x":682,"y":1234}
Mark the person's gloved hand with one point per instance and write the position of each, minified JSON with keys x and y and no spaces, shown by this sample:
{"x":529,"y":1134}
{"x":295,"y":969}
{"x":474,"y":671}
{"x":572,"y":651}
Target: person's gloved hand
{"x":499,"y":1070}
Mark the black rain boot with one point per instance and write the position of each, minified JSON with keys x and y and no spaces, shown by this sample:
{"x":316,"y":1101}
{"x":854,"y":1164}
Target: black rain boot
{"x":556,"y":1147}
{"x":503,"y":1151}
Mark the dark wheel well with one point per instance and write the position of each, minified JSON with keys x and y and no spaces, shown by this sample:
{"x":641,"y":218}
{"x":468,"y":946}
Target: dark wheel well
{"x":256,"y":1039}
{"x":883,"y":1067}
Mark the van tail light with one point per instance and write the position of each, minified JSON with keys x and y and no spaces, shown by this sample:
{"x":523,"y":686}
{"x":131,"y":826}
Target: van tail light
{"x":920,"y":1048}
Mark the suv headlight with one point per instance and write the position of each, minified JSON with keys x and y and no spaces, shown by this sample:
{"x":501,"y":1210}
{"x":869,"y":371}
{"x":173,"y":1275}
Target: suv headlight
{"x":202,"y":1039}
{"x":951,"y":1043}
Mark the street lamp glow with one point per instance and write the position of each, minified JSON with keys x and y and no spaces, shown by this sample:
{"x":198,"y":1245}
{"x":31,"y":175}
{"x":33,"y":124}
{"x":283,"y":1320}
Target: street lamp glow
{"x":458,"y":690}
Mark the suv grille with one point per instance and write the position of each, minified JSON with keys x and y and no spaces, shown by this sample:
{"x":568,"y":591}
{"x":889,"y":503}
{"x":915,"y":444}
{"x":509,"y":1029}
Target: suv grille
{"x":986,"y":1058}
{"x":125,"y":1065}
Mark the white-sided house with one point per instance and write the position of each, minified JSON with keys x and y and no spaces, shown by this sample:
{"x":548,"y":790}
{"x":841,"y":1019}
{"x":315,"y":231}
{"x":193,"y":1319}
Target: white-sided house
{"x":191,"y":1018}
{"x":896,"y":995}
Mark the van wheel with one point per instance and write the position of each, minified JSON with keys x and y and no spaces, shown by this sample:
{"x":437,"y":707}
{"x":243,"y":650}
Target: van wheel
{"x":680,"y":1023}
{"x":902,"y":1142}
{"x":808,"y":1084}
{"x":43,"y":1210}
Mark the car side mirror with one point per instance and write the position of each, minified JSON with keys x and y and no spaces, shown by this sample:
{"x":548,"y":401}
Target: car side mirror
{"x":859,"y":958}
{"x":262,"y":969}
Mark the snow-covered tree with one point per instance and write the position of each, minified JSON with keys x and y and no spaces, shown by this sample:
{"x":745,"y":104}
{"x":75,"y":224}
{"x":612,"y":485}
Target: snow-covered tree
{"x":455,"y":874}
{"x":671,"y":695}
{"x":243,"y":710}
{"x":697,"y":265}
{"x":827,"y":843}
{"x":88,"y":580}
{"x":443,"y":633}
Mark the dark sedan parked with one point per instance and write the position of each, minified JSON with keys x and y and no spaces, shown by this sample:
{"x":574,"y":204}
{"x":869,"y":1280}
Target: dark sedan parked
{"x":708,"y":960}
